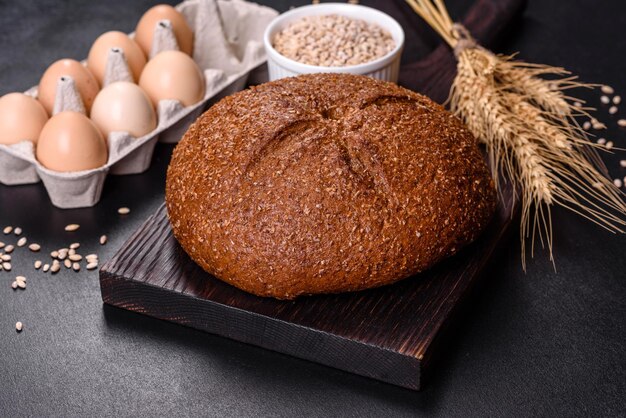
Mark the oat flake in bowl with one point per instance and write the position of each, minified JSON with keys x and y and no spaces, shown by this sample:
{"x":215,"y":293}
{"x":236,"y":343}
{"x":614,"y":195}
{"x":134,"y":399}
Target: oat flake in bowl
{"x":333,"y":41}
{"x":280,"y":65}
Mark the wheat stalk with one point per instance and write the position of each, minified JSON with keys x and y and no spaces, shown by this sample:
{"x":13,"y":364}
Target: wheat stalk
{"x":522,"y":114}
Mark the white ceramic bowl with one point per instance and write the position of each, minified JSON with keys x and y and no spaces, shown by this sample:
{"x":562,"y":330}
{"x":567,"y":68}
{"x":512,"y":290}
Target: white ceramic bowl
{"x":385,"y":68}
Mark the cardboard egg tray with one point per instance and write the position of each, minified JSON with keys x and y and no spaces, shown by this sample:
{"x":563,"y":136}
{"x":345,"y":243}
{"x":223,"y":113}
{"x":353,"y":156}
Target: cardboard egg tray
{"x":228,"y":46}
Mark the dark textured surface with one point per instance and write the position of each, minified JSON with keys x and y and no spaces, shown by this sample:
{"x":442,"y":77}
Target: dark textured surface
{"x":541,"y":343}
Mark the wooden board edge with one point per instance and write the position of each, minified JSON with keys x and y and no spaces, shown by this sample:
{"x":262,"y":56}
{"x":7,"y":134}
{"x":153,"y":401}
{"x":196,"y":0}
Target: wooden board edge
{"x":432,"y":352}
{"x":255,"y":329}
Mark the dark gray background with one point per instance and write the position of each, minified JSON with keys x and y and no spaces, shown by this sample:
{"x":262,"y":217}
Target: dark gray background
{"x":541,"y":343}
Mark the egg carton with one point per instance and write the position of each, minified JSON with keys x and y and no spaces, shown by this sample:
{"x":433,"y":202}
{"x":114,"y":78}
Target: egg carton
{"x":228,"y":47}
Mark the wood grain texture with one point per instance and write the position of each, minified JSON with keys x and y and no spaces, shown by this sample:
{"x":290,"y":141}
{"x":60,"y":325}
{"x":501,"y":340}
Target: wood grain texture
{"x":388,"y":334}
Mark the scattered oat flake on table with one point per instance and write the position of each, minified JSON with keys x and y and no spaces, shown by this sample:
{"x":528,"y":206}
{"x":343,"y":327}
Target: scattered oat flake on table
{"x":1,"y":244}
{"x":586,"y":125}
{"x":605,"y":100}
{"x":72,"y":227}
{"x":601,"y":141}
{"x":617,"y":100}
{"x":607,"y":89}
{"x":34,"y":247}
{"x":6,"y":266}
{"x":17,"y":230}
{"x":613,"y":110}
{"x":609,"y":145}
{"x":622,"y":163}
{"x":8,"y":249}
{"x":46,"y":267}
{"x":92,"y":266}
{"x":103,"y":239}
{"x":21,"y":282}
{"x":19,"y":326}
{"x":7,"y":230}
{"x":14,"y":285}
{"x":21,"y":242}
{"x":123,"y":211}
{"x":74,"y":245}
{"x":76,"y":267}
{"x":622,"y":122}
{"x":618,"y":183}
{"x":38,"y":264}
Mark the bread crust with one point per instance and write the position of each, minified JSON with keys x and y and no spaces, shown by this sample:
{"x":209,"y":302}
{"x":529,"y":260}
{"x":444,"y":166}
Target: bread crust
{"x":325,"y":183}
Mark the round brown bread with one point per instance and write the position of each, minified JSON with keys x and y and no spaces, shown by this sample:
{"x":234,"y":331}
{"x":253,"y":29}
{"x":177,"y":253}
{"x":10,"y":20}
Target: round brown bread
{"x":325,"y":183}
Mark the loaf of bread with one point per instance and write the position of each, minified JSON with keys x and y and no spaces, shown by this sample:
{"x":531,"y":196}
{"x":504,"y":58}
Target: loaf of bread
{"x":325,"y":183}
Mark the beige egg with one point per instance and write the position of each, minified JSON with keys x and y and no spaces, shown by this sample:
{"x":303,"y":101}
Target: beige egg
{"x":70,"y":141}
{"x":85,"y":82}
{"x":173,"y":75}
{"x":99,"y":52}
{"x":145,"y":28}
{"x":21,"y":118}
{"x":123,"y":107}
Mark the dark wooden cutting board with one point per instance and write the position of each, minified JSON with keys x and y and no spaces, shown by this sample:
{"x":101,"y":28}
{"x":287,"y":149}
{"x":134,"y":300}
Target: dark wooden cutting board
{"x":389,"y":334}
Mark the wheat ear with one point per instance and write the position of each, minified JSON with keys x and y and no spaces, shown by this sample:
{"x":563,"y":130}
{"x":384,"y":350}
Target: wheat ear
{"x":529,"y":125}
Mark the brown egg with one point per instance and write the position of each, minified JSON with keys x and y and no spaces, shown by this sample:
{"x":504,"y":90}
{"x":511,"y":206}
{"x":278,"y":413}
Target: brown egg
{"x":145,"y":28}
{"x":70,"y":141}
{"x":173,"y":75}
{"x":85,"y":82}
{"x":99,"y":52}
{"x":125,"y":107}
{"x":21,"y":118}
